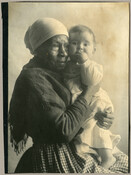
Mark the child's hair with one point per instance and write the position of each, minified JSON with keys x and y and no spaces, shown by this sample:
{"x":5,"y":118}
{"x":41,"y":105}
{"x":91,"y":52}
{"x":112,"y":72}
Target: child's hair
{"x":80,"y":29}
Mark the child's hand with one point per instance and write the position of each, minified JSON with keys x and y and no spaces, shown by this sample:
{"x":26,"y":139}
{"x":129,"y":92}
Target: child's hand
{"x":81,"y":58}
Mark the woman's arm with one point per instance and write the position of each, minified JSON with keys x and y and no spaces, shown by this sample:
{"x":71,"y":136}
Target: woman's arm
{"x":76,"y":114}
{"x":58,"y":122}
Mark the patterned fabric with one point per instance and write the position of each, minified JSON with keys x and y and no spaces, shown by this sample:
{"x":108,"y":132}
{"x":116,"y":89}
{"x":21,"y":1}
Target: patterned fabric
{"x":59,"y":158}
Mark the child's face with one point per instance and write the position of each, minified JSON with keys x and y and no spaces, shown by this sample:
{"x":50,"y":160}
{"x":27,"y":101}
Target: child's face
{"x":81,"y":44}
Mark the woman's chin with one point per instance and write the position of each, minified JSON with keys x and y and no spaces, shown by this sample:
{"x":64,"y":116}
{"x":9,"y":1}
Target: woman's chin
{"x":61,"y":66}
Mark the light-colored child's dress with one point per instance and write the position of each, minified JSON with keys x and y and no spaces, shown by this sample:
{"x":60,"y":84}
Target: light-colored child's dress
{"x":90,"y":73}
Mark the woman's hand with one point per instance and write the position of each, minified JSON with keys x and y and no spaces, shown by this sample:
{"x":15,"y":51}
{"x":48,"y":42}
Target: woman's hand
{"x":105,"y":120}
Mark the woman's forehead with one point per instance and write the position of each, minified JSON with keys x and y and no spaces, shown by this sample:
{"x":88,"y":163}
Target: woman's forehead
{"x":60,"y":39}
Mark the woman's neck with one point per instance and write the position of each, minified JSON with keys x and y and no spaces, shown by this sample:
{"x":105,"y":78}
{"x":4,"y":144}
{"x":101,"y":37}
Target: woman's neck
{"x":43,"y":62}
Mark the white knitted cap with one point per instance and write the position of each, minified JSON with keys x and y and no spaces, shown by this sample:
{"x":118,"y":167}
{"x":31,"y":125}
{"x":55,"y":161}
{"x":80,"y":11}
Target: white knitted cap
{"x":42,"y":30}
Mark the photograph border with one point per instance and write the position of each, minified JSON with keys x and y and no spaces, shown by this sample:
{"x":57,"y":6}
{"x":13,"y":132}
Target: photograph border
{"x":4,"y":79}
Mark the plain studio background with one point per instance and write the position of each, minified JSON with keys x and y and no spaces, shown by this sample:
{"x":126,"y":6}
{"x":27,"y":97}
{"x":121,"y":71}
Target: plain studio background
{"x":110,"y":23}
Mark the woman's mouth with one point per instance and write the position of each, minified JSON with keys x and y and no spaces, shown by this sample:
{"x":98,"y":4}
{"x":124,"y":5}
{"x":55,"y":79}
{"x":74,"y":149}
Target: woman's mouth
{"x":61,"y":63}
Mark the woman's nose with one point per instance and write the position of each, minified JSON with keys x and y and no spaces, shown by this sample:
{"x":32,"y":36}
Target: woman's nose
{"x":63,"y":51}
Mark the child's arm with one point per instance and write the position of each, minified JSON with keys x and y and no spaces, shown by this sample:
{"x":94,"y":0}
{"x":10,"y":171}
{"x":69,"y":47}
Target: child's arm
{"x":91,"y":73}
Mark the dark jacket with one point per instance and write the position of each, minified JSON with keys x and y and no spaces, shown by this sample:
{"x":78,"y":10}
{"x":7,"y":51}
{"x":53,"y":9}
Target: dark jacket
{"x":40,"y":107}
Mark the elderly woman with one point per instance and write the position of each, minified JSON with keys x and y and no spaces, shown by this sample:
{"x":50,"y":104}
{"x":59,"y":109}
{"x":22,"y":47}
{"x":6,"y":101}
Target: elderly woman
{"x":41,"y":108}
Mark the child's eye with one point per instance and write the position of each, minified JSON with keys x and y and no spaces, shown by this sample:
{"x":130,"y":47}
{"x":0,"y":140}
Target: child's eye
{"x":86,"y":44}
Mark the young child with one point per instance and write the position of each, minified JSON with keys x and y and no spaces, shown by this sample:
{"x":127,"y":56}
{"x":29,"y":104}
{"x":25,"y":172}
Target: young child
{"x":81,"y":70}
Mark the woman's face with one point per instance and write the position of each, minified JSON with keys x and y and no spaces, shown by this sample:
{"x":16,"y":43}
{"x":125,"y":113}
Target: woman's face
{"x":58,"y":52}
{"x":54,"y":52}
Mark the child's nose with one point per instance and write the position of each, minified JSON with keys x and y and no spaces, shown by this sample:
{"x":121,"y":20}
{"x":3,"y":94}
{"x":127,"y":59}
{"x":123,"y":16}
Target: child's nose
{"x":80,"y":46}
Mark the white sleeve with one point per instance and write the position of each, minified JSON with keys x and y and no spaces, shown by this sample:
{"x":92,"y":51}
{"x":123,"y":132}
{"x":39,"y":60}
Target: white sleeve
{"x":91,"y":73}
{"x":102,"y":102}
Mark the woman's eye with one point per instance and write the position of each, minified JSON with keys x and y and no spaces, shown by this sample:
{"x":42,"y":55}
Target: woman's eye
{"x":55,"y":45}
{"x":74,"y":43}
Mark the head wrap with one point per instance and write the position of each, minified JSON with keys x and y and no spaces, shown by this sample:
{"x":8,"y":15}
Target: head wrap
{"x":42,"y":30}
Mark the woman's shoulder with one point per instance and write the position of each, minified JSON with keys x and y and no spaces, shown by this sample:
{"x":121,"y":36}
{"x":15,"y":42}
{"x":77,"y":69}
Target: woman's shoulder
{"x":33,"y":75}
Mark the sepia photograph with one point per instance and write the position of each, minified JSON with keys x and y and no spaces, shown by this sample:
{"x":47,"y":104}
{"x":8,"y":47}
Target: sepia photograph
{"x":66,"y":87}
